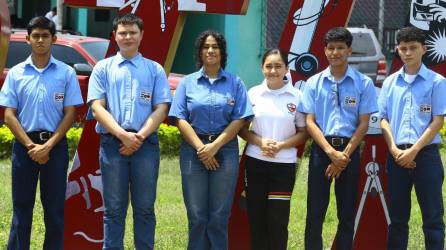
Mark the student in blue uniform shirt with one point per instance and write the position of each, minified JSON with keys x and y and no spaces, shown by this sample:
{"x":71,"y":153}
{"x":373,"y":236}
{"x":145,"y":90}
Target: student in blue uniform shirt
{"x":210,"y":107}
{"x":338,"y":102}
{"x":412,"y":107}
{"x":130,"y":97}
{"x":39,"y":96}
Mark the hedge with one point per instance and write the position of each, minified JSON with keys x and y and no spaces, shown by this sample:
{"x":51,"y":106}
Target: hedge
{"x":7,"y":138}
{"x":169,"y":138}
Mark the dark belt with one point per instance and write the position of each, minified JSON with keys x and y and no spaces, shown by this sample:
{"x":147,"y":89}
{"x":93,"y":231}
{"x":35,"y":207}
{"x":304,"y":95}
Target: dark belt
{"x":337,"y":141}
{"x":40,"y":136}
{"x":407,"y":146}
{"x":128,"y":130}
{"x":209,"y":138}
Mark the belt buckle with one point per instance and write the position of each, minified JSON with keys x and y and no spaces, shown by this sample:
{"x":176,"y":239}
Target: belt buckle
{"x":337,"y":141}
{"x":44,"y":136}
{"x":211,"y":138}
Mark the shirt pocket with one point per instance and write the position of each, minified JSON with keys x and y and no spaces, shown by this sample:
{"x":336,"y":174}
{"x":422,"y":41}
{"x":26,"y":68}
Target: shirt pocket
{"x":56,"y":93}
{"x":350,"y":102}
{"x":144,"y":93}
{"x":423,"y":104}
{"x":225,"y":104}
{"x":144,"y":96}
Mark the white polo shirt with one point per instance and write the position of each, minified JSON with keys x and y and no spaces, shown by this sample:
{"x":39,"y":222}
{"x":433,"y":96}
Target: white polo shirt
{"x":275,"y":117}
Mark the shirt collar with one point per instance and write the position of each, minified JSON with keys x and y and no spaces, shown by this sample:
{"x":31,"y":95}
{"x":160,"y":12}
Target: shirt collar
{"x":287,"y":88}
{"x":422,"y":72}
{"x":29,"y":61}
{"x":120,"y":59}
{"x":221,"y":74}
{"x":327,"y":74}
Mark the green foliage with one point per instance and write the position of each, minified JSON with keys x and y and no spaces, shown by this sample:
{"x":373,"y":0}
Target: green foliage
{"x":73,"y":137}
{"x":443,"y":137}
{"x":170,"y":140}
{"x":7,"y":139}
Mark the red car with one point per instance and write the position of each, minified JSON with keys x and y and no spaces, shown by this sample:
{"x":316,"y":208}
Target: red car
{"x":80,"y":52}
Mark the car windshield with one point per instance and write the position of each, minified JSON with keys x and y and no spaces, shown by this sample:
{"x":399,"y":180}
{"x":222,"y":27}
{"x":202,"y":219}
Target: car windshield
{"x":96,"y":49}
{"x":362,"y":45}
{"x":17,"y":53}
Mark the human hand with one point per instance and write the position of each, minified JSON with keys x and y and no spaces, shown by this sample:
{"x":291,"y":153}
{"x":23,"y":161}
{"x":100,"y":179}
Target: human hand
{"x":339,"y":158}
{"x":333,"y":171}
{"x":127,"y":151}
{"x":406,"y":158}
{"x":276,"y":147}
{"x":211,"y":164}
{"x":131,"y":140}
{"x":39,"y":153}
{"x":267,"y":147}
{"x":207,"y":151}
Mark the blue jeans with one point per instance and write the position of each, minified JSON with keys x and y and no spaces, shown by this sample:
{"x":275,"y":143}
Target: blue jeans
{"x":53,"y":179}
{"x":139,"y":172}
{"x":208,"y":195}
{"x":318,"y":197}
{"x":427,"y":177}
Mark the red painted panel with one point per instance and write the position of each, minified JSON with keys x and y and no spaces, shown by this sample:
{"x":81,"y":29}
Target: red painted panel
{"x":306,"y":25}
{"x":163,"y":24}
{"x":5,"y":32}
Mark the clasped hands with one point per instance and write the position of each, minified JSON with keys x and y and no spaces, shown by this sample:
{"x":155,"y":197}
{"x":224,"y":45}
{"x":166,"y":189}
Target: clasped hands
{"x":130,"y":143}
{"x":206,"y":154}
{"x":339,"y":161}
{"x":405,"y":158}
{"x":270,"y":147}
{"x":39,"y":153}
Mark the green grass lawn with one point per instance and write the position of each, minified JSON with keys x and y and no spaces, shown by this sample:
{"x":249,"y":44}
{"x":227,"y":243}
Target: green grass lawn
{"x":171,"y":230}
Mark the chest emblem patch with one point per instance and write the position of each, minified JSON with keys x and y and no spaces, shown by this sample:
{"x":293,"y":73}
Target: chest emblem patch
{"x":425,"y":108}
{"x":350,"y":101}
{"x":291,"y":107}
{"x":230,"y":101}
{"x":58,"y":97}
{"x":145,"y":96}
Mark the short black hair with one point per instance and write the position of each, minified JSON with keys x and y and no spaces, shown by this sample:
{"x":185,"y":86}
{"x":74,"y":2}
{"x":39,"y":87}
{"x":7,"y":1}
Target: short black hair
{"x":338,"y":34}
{"x":128,"y":19}
{"x":221,"y":41}
{"x":410,"y":34}
{"x":41,"y":22}
{"x":54,"y":9}
{"x":275,"y":51}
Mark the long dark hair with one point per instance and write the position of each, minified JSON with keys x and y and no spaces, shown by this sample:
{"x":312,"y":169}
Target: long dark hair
{"x":221,"y":41}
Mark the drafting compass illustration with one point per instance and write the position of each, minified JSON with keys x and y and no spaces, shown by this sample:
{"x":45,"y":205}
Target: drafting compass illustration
{"x":372,"y":186}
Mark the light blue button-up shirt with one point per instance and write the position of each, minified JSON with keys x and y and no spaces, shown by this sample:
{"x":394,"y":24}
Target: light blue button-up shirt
{"x":409,"y":107}
{"x":209,"y":108}
{"x":39,"y":96}
{"x":337,"y":105}
{"x":130,"y":87}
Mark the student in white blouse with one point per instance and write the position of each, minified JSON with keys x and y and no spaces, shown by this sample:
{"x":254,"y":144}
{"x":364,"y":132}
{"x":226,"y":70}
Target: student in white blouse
{"x":276,"y":130}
